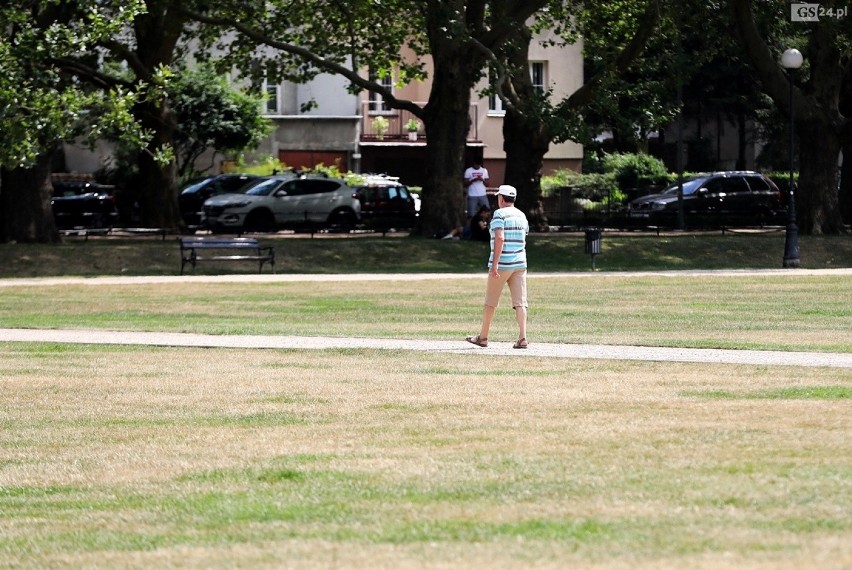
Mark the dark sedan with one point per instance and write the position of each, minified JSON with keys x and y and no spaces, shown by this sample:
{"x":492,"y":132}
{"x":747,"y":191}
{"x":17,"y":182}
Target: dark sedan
{"x":83,"y":204}
{"x":192,"y":197}
{"x":725,"y":198}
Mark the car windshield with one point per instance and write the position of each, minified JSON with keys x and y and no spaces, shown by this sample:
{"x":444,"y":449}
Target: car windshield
{"x":398,"y":192}
{"x":71,"y":190}
{"x":261,"y":188}
{"x":194,"y":187}
{"x":689,"y":187}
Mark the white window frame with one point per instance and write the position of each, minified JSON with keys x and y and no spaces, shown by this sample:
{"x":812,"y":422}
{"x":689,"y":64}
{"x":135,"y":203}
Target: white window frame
{"x":377,"y":104}
{"x":538,"y":76}
{"x":272,"y":103}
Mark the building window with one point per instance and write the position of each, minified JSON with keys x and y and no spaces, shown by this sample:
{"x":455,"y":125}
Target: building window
{"x":539,"y":83}
{"x":273,"y":99}
{"x":495,"y":105}
{"x":377,"y":102}
{"x":537,"y":76}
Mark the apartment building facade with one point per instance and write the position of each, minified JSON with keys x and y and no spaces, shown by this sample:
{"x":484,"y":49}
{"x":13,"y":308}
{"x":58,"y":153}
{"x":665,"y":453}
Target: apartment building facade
{"x":321,"y":122}
{"x":362,"y":134}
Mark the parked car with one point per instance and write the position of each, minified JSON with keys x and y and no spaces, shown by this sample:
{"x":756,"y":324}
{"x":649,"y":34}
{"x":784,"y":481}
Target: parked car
{"x":83,"y":204}
{"x":192,"y":197}
{"x":280,"y":201}
{"x":729,"y":197}
{"x":385,"y":203}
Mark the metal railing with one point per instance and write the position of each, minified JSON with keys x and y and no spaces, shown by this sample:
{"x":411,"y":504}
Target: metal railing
{"x":391,"y":124}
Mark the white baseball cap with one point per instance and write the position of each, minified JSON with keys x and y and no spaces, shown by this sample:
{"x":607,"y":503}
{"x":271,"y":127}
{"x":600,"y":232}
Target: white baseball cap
{"x":506,"y":190}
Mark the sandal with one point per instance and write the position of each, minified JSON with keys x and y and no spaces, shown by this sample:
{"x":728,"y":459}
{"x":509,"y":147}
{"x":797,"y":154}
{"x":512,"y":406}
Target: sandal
{"x":483,"y":342}
{"x":522,"y":343}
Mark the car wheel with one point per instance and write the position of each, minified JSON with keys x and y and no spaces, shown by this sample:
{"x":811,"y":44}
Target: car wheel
{"x":343,"y":218}
{"x":259,"y":221}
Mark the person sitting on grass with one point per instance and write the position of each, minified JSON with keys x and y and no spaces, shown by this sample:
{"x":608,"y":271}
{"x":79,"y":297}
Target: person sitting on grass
{"x":479,"y":225}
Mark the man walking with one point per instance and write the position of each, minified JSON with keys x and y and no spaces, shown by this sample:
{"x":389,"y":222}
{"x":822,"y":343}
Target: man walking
{"x":506,"y":264}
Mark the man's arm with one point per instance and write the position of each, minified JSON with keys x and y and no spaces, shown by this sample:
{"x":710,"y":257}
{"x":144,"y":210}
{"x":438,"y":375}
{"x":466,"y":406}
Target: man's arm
{"x":499,"y":240}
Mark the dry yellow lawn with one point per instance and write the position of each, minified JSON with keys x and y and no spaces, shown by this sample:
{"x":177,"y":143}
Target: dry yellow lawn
{"x":187,"y":458}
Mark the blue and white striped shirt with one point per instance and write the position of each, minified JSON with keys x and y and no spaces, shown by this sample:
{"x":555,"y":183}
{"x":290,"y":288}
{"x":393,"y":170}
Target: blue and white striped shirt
{"x":515,"y":228}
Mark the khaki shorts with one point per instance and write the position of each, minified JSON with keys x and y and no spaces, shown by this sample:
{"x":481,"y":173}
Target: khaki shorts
{"x":517,"y":280}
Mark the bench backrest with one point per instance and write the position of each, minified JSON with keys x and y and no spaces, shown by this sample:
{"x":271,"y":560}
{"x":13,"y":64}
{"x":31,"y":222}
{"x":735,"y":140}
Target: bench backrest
{"x":214,"y":243}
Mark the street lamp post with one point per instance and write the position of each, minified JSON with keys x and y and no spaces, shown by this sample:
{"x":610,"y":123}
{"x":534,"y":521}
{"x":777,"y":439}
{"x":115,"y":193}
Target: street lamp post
{"x":791,"y":60}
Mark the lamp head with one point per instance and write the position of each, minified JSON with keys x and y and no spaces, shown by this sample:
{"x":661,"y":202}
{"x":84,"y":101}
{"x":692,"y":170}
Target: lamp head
{"x":792,"y":59}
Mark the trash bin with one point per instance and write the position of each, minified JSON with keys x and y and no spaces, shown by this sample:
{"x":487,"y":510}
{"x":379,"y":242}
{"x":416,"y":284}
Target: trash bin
{"x":593,"y":241}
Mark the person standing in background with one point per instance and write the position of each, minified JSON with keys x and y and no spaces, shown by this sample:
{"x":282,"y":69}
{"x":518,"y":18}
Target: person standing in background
{"x":475,"y":178}
{"x":507,"y":264}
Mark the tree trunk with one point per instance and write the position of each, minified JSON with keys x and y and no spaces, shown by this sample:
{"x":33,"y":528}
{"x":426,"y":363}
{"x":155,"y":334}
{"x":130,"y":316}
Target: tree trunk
{"x":525,"y":138}
{"x":819,"y":121}
{"x":459,"y":57}
{"x":742,"y":141}
{"x":25,"y":203}
{"x":817,"y":203}
{"x":446,"y":119}
{"x":525,"y":144}
{"x":157,"y":33}
{"x":529,"y":130}
{"x":157,"y":192}
{"x":444,"y":199}
{"x":845,"y":197}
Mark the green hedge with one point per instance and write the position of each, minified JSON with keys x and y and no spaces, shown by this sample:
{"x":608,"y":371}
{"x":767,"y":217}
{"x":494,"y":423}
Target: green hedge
{"x":620,"y":173}
{"x":636,"y":170}
{"x":623,"y":176}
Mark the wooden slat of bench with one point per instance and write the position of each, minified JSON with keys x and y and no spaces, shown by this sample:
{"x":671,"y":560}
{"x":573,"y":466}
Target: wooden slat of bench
{"x":223,"y":245}
{"x":218,"y":242}
{"x":227,"y":257}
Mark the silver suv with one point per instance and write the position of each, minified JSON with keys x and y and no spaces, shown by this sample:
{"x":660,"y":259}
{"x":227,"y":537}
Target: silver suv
{"x":275,"y":202}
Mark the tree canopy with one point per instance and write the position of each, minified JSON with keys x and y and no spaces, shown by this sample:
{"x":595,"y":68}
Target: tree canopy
{"x":212,"y":115}
{"x":821,"y":98}
{"x":42,"y":102}
{"x":314,"y":36}
{"x":84,"y":69}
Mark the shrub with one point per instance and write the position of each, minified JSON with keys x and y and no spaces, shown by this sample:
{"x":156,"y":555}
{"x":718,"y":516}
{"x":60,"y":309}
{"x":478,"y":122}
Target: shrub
{"x":782,"y":180}
{"x":261,"y":166}
{"x":594,"y":187}
{"x":635,"y":170}
{"x":559,"y":179}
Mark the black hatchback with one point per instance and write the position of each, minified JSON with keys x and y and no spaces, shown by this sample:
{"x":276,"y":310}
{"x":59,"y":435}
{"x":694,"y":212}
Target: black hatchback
{"x":385,"y":203}
{"x":83,"y":204}
{"x":718,"y":198}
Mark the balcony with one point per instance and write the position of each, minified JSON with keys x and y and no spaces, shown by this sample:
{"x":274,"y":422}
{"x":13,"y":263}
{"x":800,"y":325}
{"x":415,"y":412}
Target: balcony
{"x":396,"y":120}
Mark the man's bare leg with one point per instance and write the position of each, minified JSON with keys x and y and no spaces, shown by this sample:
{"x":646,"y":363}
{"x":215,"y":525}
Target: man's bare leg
{"x":521,"y":315}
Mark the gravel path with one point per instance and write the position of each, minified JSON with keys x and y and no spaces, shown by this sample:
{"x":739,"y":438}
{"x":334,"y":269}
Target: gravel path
{"x":306,"y":277}
{"x":586,"y":351}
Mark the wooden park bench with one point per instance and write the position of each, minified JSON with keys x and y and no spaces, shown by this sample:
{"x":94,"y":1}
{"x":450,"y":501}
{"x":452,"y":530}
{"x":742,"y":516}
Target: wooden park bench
{"x":195,"y":249}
